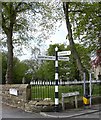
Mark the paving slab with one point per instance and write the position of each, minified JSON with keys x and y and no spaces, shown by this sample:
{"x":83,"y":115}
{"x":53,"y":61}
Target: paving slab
{"x":73,"y":112}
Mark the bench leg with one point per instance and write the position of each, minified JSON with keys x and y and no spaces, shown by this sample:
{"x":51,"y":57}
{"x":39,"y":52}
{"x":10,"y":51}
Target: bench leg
{"x":76,"y":104}
{"x":63,"y":107}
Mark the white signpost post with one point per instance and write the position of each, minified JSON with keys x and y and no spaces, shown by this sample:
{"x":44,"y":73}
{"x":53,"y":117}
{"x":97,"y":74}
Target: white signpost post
{"x":58,"y":56}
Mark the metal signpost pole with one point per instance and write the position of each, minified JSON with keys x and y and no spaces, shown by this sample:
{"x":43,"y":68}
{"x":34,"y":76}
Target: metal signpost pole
{"x":86,"y":96}
{"x":90,"y":86}
{"x":58,"y":56}
{"x":84,"y":89}
{"x":84,"y":76}
{"x":56,"y":81}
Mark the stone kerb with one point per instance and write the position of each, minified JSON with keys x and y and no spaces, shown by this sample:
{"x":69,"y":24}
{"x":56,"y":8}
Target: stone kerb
{"x":16,"y":94}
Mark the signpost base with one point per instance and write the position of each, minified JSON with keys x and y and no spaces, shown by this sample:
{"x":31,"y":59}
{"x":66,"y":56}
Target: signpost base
{"x":56,"y":109}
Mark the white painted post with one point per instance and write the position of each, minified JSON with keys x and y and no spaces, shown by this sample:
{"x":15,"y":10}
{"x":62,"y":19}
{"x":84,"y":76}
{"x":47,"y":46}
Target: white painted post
{"x":56,"y":81}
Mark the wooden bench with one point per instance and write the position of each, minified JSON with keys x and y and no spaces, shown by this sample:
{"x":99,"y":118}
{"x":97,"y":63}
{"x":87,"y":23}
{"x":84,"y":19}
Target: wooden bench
{"x":71,"y":94}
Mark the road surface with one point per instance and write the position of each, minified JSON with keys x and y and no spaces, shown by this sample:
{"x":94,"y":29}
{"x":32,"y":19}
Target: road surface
{"x":11,"y":113}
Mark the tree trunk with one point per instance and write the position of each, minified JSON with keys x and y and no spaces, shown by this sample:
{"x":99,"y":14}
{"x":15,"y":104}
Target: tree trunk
{"x":70,"y":38}
{"x":9,"y":73}
{"x":9,"y":33}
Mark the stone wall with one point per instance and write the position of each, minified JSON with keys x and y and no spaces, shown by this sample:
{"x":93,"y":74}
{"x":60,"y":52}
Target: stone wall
{"x":19,"y":95}
{"x":16,"y":94}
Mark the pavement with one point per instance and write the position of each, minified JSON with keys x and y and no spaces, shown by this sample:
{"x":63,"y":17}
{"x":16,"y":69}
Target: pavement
{"x":73,"y":112}
{"x":11,"y":112}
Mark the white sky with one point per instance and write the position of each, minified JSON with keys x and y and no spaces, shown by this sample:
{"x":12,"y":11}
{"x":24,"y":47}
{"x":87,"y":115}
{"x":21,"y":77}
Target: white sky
{"x":59,"y":37}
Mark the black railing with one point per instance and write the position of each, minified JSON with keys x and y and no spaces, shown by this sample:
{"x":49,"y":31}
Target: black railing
{"x":46,"y":89}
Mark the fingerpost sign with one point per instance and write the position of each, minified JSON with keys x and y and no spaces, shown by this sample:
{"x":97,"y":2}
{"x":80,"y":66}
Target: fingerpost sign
{"x":58,"y":56}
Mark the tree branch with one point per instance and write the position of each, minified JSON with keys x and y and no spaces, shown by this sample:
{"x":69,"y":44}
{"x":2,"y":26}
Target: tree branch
{"x":19,"y":4}
{"x":4,"y":24}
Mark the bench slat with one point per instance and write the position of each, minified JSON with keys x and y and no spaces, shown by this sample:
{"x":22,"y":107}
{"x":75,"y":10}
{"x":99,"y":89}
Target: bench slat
{"x":70,"y":94}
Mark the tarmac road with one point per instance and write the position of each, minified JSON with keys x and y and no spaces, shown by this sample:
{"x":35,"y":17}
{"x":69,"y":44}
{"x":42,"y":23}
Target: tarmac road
{"x":11,"y":112}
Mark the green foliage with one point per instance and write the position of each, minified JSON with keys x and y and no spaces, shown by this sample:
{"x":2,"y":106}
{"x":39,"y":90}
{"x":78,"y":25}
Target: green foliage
{"x":20,"y":23}
{"x":46,"y":71}
{"x":84,"y":54}
{"x":19,"y":69}
{"x":67,"y":69}
{"x":31,"y":73}
{"x":35,"y":17}
{"x":85,"y":18}
{"x":34,"y":21}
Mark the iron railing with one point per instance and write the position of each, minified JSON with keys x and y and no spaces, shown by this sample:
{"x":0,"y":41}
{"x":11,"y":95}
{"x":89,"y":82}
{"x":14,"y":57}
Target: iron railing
{"x":46,"y":89}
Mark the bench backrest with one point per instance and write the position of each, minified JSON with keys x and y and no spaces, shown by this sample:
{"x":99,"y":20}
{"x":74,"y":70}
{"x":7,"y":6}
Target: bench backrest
{"x":70,"y":94}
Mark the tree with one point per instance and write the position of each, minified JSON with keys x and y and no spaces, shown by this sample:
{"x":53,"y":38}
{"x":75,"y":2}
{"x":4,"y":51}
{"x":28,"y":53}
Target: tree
{"x":0,"y":68}
{"x":47,"y":69}
{"x":85,"y":25}
{"x":83,"y":21}
{"x":70,"y":38}
{"x":19,"y":69}
{"x":10,"y":12}
{"x":68,"y":70}
{"x":3,"y":64}
{"x":13,"y":22}
{"x":86,"y":17}
{"x":51,"y":64}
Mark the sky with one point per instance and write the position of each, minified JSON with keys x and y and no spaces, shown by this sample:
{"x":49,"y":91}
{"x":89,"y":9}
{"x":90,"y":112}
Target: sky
{"x":59,"y":37}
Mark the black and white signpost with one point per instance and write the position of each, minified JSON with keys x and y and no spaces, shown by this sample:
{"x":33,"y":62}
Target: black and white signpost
{"x":56,"y":80}
{"x":58,"y":56}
